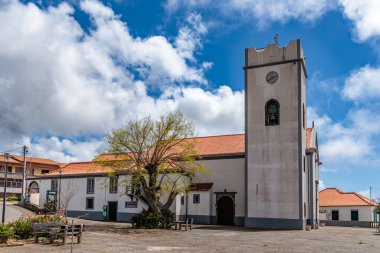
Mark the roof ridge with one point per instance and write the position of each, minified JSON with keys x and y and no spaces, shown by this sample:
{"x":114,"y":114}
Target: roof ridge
{"x":370,"y":202}
{"x":196,"y":137}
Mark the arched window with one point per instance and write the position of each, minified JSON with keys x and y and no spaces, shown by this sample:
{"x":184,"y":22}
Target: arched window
{"x":272,"y":113}
{"x":33,"y":187}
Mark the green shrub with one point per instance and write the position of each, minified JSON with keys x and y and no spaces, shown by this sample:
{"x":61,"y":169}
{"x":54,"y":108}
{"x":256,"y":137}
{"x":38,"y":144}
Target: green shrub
{"x":22,"y":228}
{"x":13,"y":197}
{"x":152,"y":220}
{"x":5,"y":233}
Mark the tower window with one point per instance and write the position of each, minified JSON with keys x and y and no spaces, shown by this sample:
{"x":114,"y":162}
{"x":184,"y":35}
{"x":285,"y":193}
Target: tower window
{"x":272,"y":113}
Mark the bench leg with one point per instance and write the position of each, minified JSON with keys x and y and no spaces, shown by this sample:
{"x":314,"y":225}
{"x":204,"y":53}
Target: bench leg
{"x":51,"y":238}
{"x":79,"y":239}
{"x":36,"y":239}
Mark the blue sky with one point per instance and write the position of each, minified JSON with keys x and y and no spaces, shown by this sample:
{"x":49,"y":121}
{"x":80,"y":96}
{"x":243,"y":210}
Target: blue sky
{"x":71,"y":71}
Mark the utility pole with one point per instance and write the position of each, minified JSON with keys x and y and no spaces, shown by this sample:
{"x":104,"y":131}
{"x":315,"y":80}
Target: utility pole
{"x":24,"y":150}
{"x":6,"y":157}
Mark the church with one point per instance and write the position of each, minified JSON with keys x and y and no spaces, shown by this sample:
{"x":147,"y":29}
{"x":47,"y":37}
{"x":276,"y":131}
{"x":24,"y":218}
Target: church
{"x":266,"y":177}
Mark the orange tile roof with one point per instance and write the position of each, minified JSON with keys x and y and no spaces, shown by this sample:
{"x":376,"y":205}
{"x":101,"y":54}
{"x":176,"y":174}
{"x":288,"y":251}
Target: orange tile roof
{"x":20,"y":160}
{"x":209,"y":145}
{"x":220,"y":145}
{"x":336,"y":197}
{"x":79,"y":168}
{"x":232,"y":144}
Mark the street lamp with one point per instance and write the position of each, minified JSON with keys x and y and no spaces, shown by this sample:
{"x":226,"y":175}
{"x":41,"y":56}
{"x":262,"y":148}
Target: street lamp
{"x":24,"y":150}
{"x":6,"y":157}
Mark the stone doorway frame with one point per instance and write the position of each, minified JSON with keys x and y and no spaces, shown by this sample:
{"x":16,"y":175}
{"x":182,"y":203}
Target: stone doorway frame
{"x":219,"y":195}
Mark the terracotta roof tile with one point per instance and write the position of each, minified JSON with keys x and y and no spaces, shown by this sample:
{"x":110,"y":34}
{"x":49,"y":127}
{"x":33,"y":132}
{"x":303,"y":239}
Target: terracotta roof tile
{"x":19,"y":159}
{"x":79,"y":168}
{"x":220,"y":145}
{"x":233,"y":144}
{"x":336,"y":197}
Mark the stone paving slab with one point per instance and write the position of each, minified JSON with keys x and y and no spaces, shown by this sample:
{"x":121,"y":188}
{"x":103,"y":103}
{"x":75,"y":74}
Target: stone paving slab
{"x":112,"y":238}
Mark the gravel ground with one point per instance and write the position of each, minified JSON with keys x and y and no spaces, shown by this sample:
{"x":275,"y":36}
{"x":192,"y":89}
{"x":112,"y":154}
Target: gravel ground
{"x":119,"y":237}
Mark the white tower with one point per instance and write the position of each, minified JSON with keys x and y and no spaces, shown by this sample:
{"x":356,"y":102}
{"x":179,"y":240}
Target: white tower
{"x":275,"y":130}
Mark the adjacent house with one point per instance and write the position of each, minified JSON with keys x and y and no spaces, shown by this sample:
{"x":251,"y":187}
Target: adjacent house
{"x":34,"y":166}
{"x":338,"y":208}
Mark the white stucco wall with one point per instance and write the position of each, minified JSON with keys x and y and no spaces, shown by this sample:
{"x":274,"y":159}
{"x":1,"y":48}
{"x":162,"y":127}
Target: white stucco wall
{"x":225,"y":174}
{"x":101,"y":194}
{"x":365,"y":212}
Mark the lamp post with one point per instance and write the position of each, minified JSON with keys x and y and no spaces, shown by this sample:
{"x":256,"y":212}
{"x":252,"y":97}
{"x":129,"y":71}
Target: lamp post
{"x":24,"y":150}
{"x":6,"y":157}
{"x":59,"y":193}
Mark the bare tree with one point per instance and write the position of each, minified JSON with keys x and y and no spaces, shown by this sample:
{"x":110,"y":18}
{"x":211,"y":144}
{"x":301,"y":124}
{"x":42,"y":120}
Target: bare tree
{"x":67,"y":194}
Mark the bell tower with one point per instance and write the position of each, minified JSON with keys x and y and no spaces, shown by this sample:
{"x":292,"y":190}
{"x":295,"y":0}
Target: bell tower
{"x":275,"y":132}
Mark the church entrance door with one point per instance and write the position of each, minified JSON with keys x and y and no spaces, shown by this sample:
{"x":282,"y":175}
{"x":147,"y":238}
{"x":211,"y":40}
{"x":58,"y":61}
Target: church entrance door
{"x":226,"y":211}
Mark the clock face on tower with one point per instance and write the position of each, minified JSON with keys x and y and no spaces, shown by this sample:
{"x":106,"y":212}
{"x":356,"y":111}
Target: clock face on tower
{"x":272,"y":77}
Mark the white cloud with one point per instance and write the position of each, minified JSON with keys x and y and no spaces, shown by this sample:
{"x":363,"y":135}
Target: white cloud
{"x":64,"y":150}
{"x":365,"y":16}
{"x":363,"y":84}
{"x":58,"y":80}
{"x":344,"y":144}
{"x":321,"y":185}
{"x":263,"y":11}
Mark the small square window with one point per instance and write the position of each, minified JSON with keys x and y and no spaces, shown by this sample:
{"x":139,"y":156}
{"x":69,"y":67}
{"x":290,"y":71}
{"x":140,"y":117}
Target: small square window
{"x":196,"y":198}
{"x":335,"y":215}
{"x":89,"y":203}
{"x":182,"y":200}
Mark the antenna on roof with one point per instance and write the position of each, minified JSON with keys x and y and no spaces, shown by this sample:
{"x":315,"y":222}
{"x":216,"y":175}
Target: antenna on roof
{"x":312,"y":124}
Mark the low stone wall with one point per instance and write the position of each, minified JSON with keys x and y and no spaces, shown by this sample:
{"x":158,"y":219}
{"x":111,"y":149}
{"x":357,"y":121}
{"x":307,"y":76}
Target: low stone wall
{"x":364,"y":224}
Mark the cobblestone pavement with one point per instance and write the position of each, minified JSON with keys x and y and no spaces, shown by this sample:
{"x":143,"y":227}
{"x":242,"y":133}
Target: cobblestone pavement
{"x":119,"y":237}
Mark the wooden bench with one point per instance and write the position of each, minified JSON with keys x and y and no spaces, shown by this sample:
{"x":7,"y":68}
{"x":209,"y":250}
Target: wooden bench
{"x":179,"y":224}
{"x":53,"y":230}
{"x":45,"y":230}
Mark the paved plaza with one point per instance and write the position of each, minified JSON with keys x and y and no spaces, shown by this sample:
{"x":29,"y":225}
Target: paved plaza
{"x":13,"y":212}
{"x":119,"y":237}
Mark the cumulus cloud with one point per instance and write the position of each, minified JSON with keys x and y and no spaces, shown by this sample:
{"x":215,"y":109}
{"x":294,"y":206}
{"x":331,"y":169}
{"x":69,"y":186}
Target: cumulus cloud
{"x":350,"y":142}
{"x":362,"y":84}
{"x":60,"y":83}
{"x":365,"y":16}
{"x":64,"y":150}
{"x":263,"y":11}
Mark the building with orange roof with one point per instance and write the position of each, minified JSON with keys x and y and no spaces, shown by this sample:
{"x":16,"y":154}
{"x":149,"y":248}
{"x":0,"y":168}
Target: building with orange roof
{"x":266,"y":177}
{"x":34,"y":166}
{"x":340,"y":208}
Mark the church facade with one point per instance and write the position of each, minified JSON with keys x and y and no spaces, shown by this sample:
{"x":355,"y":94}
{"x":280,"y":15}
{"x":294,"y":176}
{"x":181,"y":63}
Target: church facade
{"x":264,"y":178}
